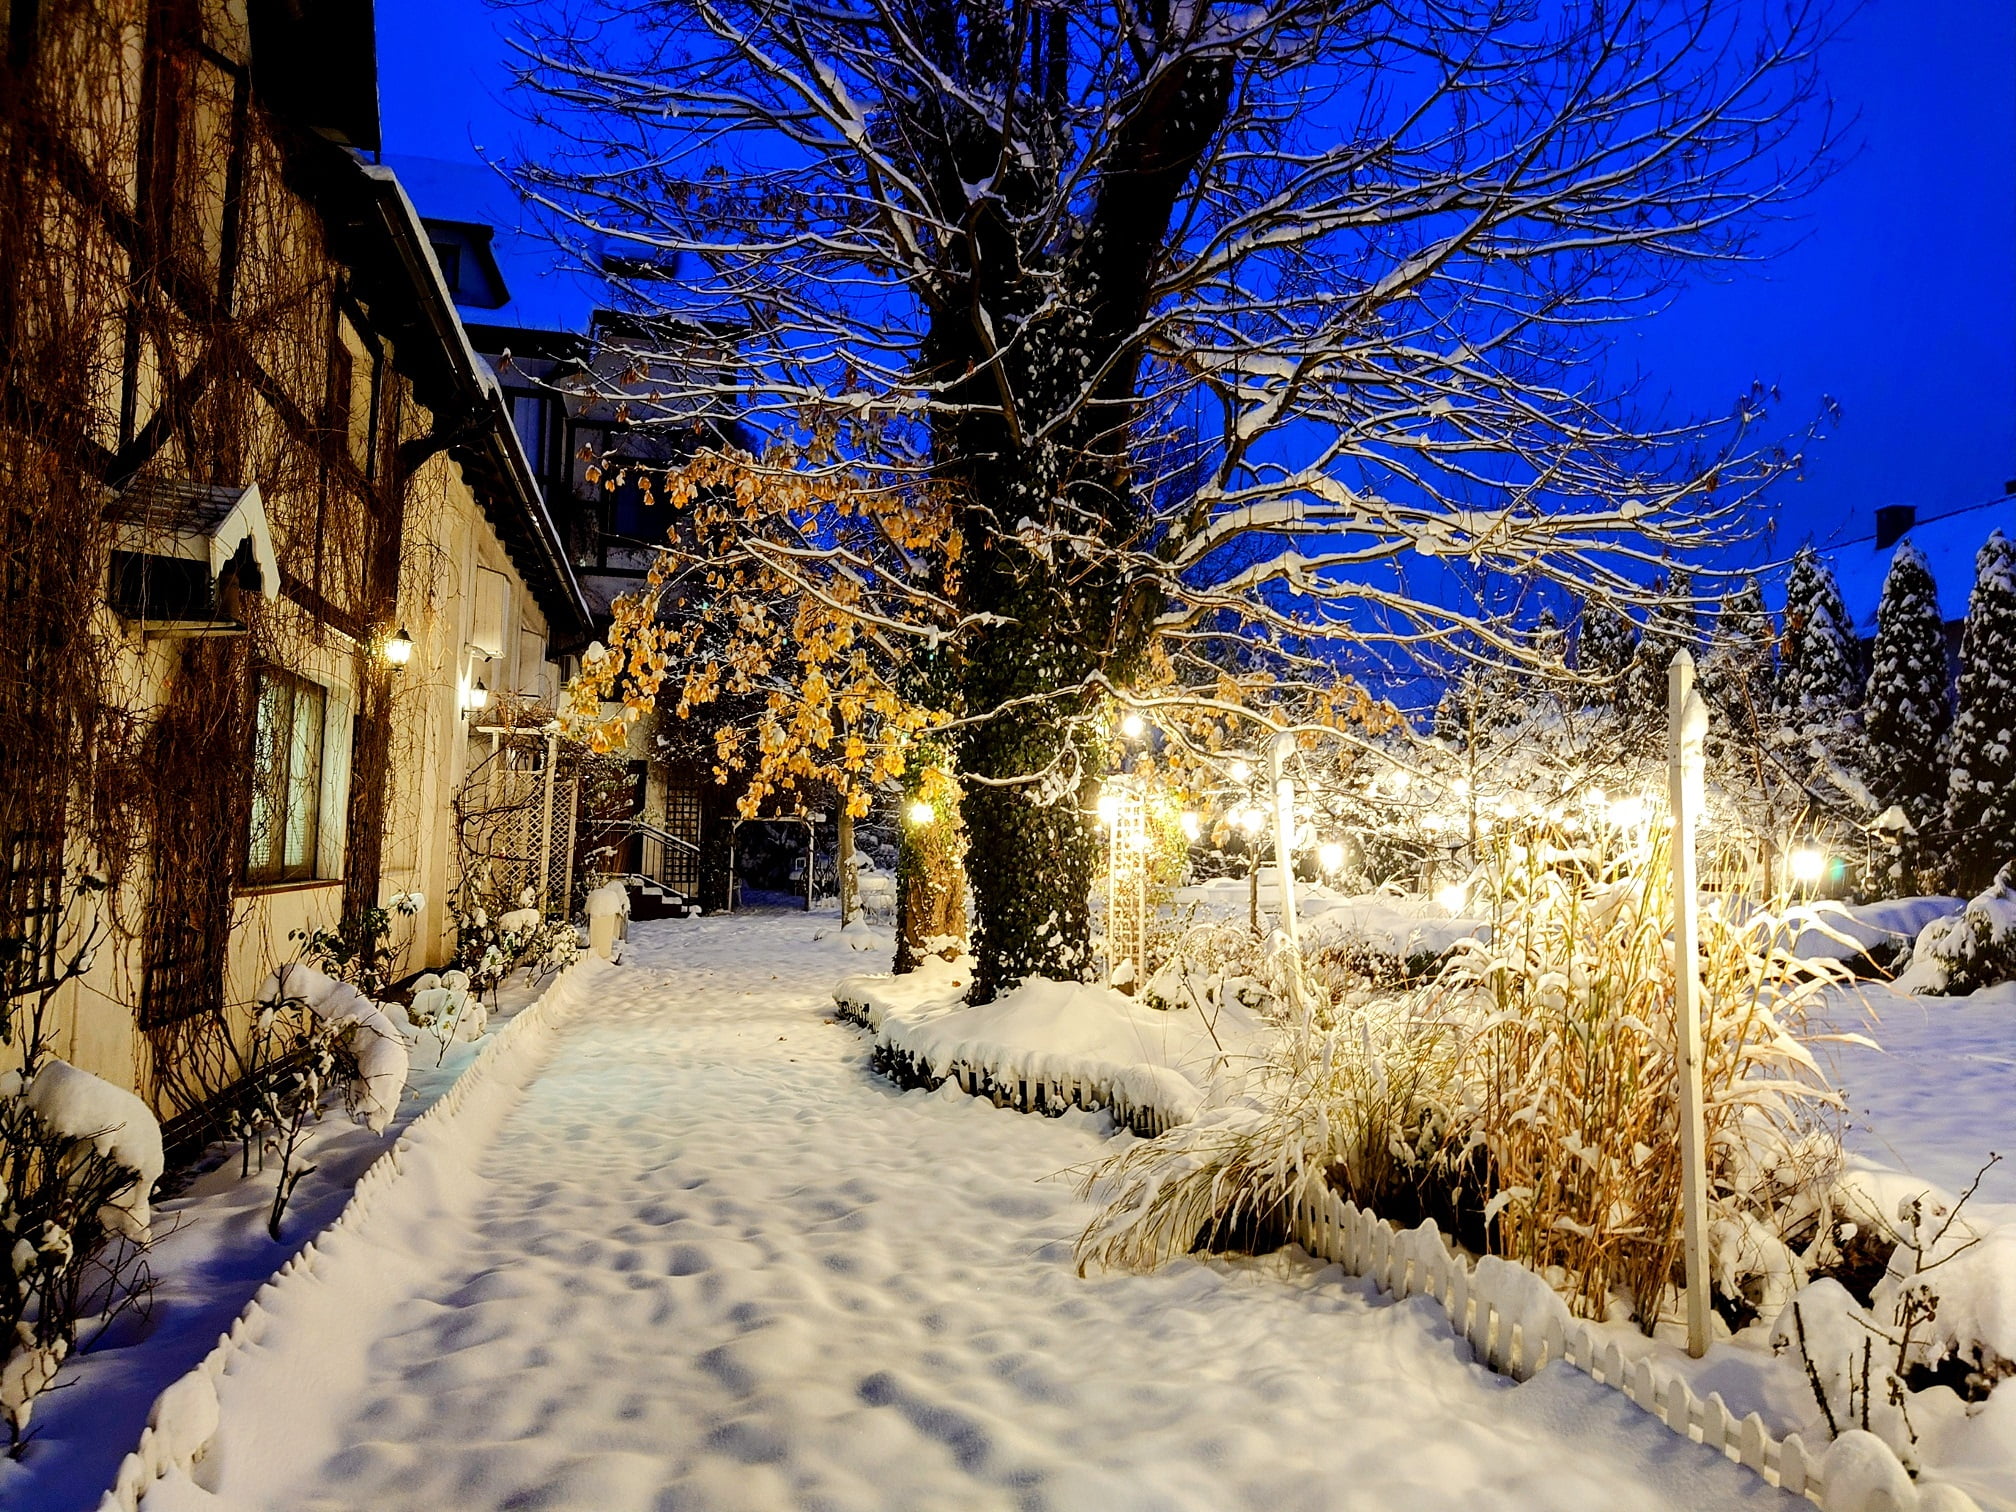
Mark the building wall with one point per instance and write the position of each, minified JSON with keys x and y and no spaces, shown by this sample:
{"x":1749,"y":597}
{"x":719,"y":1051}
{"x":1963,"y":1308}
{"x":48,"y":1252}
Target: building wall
{"x":312,"y":404}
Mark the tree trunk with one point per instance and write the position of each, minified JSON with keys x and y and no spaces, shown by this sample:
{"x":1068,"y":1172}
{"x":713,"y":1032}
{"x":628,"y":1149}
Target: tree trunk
{"x":1032,"y":854}
{"x":850,"y":890}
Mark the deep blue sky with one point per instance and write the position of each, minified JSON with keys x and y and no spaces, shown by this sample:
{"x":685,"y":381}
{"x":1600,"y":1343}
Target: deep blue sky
{"x":1898,"y":297}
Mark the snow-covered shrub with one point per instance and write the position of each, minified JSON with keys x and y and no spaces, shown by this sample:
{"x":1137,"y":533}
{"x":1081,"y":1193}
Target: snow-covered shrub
{"x":299,"y":1006}
{"x":1972,"y":949}
{"x":360,"y":950}
{"x":1937,"y":1337}
{"x":490,"y":947}
{"x":78,"y":1160}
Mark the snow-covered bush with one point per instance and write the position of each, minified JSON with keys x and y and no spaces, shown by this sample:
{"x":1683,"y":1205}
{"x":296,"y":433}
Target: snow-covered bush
{"x":1972,"y":949}
{"x":78,"y":1160}
{"x":490,"y":947}
{"x":1937,"y":1337}
{"x":302,"y":1008}
{"x":360,"y":950}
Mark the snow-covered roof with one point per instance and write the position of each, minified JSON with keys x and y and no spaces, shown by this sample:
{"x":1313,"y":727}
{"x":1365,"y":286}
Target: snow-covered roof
{"x":1948,"y":538}
{"x":545,"y":291}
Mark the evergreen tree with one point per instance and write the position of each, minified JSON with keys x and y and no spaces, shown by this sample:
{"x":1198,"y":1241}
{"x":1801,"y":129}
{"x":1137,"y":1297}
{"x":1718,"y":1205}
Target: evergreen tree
{"x":1641,"y":696}
{"x":1906,"y":711}
{"x":1741,"y":662}
{"x":1603,"y":649}
{"x":1817,"y":683}
{"x":1981,"y":791}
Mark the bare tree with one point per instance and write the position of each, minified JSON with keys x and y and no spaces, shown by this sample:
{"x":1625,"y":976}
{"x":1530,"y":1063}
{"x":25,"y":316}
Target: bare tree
{"x":1201,"y":320}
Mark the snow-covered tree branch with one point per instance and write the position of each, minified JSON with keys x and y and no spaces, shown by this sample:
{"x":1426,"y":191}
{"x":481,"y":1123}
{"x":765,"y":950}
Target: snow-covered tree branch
{"x":1199,"y":319}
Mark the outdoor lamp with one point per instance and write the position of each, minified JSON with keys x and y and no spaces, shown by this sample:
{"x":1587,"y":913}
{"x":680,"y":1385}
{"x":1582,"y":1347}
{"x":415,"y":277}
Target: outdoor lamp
{"x":920,"y":812}
{"x":1192,"y":825}
{"x":399,"y":649}
{"x":1132,"y":726}
{"x":1251,"y":820}
{"x":1330,"y":855}
{"x":1809,"y":865}
{"x":1453,"y":897}
{"x":477,"y":699}
{"x":1109,"y":808}
{"x":1239,"y":772}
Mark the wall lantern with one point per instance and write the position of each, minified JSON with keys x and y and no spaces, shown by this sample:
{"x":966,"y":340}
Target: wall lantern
{"x":398,"y":651}
{"x":476,"y":700}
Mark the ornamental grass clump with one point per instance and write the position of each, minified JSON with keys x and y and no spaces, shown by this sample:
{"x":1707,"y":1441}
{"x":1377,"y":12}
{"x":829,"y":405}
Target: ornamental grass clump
{"x":1570,"y":1055}
{"x":1527,"y":1099}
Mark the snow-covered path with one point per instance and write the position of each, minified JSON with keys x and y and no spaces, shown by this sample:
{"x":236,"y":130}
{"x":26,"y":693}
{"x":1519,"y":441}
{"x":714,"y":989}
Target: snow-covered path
{"x":709,"y":1262}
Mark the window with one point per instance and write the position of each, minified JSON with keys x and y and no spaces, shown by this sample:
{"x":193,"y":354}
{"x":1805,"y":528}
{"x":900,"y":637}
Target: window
{"x":286,"y":780}
{"x":449,"y":256}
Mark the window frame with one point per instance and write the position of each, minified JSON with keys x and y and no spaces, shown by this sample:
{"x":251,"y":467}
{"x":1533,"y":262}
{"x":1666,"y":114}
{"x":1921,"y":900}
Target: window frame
{"x":286,"y":788}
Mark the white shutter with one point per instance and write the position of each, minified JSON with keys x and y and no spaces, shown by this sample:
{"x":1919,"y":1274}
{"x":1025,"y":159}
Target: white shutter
{"x":487,"y":626}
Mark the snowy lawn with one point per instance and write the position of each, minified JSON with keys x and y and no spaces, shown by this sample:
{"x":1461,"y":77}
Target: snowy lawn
{"x":211,"y":1252}
{"x":708,"y":1261}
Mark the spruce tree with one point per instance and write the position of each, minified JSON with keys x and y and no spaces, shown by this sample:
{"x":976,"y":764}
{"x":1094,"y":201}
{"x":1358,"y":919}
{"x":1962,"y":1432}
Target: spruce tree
{"x":1603,"y":648}
{"x":1906,"y":710}
{"x":1981,"y":791}
{"x":1741,"y":658}
{"x":1818,"y":685}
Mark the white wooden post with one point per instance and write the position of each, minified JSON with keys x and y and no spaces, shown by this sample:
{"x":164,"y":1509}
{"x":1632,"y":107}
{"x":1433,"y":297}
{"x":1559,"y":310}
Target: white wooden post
{"x":1278,"y":752}
{"x":546,"y":832}
{"x":1687,"y":726}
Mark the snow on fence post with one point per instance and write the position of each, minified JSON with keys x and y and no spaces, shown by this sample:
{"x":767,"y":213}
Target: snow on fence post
{"x":1687,"y":728}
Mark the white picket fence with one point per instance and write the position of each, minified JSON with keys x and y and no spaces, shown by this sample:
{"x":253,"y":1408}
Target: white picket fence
{"x":1418,"y":1262}
{"x":185,"y":1417}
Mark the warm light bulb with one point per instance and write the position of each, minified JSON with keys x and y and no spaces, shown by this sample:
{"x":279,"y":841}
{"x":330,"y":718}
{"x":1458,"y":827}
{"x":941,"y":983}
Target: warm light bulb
{"x":1251,"y":820}
{"x":1809,"y":865}
{"x":921,"y":813}
{"x":1239,"y":772}
{"x":1453,"y":897}
{"x":1109,"y":808}
{"x":1330,"y":855}
{"x":1192,"y":826}
{"x":1132,"y":726}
